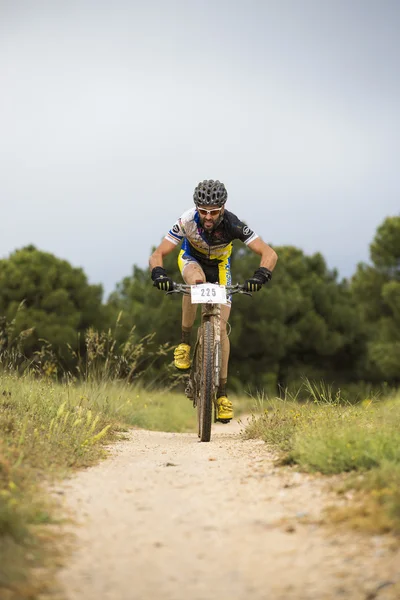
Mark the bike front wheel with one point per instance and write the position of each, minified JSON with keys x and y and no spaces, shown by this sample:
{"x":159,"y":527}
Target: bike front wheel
{"x":205,"y":404}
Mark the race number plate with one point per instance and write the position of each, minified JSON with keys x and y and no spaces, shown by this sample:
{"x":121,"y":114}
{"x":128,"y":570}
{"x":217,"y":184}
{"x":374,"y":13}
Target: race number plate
{"x":208,"y":292}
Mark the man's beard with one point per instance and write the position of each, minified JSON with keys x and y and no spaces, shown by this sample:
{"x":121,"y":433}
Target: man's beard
{"x":214,"y":224}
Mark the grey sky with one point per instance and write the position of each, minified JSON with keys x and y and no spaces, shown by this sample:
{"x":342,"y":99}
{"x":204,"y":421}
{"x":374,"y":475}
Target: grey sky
{"x":111,"y":112}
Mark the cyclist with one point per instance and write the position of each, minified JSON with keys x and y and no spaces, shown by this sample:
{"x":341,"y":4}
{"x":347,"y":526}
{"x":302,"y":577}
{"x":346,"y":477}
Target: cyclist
{"x":207,"y":232}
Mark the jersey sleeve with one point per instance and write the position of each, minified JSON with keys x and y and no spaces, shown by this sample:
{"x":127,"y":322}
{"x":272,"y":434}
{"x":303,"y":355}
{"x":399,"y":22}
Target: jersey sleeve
{"x":176,"y":233}
{"x":240,"y":231}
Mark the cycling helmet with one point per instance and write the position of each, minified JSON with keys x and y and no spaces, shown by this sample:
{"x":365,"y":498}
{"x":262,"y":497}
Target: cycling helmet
{"x":210,"y":193}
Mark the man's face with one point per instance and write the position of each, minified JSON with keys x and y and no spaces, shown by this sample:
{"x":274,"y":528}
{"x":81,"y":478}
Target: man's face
{"x":209,"y":216}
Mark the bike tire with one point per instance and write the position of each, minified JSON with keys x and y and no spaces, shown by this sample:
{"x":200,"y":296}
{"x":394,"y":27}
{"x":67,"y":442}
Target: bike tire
{"x":196,"y":379}
{"x":206,"y":393}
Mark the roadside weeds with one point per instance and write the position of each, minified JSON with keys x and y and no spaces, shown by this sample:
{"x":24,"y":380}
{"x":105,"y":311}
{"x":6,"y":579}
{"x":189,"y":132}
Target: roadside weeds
{"x":356,"y":445}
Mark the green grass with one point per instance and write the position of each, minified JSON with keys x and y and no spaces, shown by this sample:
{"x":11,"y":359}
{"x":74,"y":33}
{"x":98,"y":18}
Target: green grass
{"x":147,"y":408}
{"x":139,"y":407}
{"x":330,"y":438}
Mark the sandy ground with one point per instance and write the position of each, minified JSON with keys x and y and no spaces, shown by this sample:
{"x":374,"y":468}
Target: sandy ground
{"x":167,"y":517}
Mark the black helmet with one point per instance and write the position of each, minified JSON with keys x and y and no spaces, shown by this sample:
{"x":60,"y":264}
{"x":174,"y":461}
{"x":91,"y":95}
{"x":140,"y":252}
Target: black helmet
{"x":210,"y":193}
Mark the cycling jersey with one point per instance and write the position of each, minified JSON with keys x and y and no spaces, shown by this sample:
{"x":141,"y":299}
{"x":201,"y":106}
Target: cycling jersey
{"x":209,"y":248}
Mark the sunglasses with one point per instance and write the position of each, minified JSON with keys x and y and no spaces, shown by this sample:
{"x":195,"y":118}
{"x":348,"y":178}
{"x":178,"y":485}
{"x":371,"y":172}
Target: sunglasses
{"x":213,"y":212}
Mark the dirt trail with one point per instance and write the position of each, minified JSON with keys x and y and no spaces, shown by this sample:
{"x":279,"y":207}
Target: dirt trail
{"x":166,"y":517}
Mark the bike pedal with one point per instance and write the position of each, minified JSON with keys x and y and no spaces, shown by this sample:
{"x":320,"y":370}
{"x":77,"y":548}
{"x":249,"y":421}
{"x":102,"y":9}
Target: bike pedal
{"x":189,"y":391}
{"x":223,"y":420}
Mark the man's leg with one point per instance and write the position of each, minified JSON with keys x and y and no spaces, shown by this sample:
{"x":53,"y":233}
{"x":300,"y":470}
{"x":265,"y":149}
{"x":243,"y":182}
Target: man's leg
{"x":225,"y":347}
{"x":192,"y":273}
{"x":224,"y":406}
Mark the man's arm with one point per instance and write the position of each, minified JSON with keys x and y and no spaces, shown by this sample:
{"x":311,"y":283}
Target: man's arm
{"x":156,"y":259}
{"x":264,"y":272}
{"x":268,"y":255}
{"x":158,"y":273}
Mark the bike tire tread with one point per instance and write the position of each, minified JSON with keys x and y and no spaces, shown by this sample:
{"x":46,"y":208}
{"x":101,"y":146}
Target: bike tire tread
{"x":206,"y":402}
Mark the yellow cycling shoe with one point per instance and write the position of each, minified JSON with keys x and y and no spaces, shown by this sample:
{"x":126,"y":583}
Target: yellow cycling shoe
{"x":224,"y":409}
{"x":182,"y":356}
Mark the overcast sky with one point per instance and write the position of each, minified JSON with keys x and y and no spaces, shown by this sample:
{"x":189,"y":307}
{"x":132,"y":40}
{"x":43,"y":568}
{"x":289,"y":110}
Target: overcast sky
{"x":111,"y":112}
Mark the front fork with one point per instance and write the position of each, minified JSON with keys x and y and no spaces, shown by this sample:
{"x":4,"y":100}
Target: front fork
{"x":213,"y":312}
{"x":217,"y":344}
{"x":209,"y":312}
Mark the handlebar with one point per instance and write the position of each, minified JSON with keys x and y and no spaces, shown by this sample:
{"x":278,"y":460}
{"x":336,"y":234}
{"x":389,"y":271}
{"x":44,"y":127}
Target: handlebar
{"x":183,"y":288}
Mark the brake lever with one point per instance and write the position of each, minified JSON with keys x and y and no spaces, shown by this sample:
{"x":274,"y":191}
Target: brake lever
{"x":177,"y":292}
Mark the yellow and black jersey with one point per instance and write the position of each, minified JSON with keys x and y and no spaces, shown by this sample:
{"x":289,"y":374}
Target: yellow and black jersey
{"x":209,"y":247}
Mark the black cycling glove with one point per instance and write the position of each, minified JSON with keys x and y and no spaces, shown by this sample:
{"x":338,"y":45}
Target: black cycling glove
{"x":255,"y":283}
{"x":161,"y":279}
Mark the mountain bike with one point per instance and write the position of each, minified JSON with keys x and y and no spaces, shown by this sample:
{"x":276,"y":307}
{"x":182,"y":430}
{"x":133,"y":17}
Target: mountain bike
{"x":203,"y":380}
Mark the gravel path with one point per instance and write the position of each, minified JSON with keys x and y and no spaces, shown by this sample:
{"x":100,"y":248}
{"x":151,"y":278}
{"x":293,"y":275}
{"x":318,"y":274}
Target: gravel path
{"x":166,"y":517}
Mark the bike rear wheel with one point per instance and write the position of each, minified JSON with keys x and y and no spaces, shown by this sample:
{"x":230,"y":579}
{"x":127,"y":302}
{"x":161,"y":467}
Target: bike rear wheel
{"x":205,"y":404}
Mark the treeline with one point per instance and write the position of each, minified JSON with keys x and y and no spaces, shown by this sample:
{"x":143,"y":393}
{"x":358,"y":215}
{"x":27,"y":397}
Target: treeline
{"x":305,"y":323}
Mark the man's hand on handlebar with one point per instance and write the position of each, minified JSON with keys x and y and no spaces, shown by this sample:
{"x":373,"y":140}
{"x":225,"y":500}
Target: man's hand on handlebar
{"x":260,"y":277}
{"x":161,"y":279}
